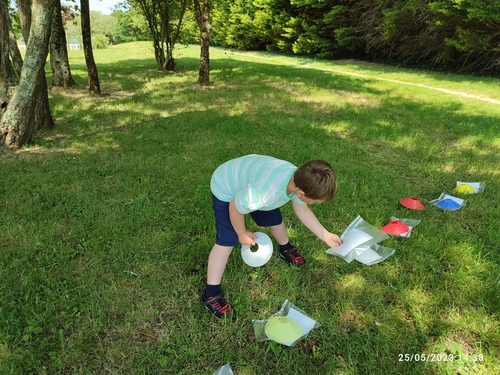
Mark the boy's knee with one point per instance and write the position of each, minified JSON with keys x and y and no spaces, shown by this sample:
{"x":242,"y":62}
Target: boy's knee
{"x":278,"y":226}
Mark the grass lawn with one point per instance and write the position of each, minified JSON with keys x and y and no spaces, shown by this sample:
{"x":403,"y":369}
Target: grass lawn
{"x":106,"y":221}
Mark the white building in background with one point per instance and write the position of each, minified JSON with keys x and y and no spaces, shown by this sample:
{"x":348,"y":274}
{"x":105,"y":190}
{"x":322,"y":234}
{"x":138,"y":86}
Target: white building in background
{"x":72,"y":46}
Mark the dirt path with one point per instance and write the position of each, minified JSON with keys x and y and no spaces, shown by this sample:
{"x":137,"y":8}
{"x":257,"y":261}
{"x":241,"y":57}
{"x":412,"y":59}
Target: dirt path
{"x":451,"y":92}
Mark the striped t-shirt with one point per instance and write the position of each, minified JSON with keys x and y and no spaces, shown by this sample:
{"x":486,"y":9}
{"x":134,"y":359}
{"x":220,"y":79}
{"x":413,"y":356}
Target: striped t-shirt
{"x":256,"y":182}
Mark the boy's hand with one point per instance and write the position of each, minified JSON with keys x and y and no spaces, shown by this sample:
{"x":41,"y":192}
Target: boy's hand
{"x":247,"y":238}
{"x":332,"y":239}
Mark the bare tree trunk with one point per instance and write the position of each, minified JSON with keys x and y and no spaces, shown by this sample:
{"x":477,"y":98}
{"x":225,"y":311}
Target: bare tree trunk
{"x":11,"y":78}
{"x":204,"y":25}
{"x":61,"y":72}
{"x":8,"y":76}
{"x":4,"y":52}
{"x":160,"y":15}
{"x":172,"y":39}
{"x":169,"y":63}
{"x":18,"y":122}
{"x":153,"y":11}
{"x":43,"y":118}
{"x":159,"y":53}
{"x":15,"y":55}
{"x":94,"y":86}
{"x":24,"y":10}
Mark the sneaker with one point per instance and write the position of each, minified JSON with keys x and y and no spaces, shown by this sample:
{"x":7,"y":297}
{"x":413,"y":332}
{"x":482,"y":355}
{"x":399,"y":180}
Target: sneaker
{"x":293,"y":257}
{"x":218,"y":306}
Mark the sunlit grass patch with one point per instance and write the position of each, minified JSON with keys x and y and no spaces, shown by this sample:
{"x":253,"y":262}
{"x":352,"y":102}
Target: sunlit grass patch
{"x":107,"y":222}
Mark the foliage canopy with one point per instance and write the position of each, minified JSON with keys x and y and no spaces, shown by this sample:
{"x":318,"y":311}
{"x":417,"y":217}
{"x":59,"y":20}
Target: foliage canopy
{"x":451,"y":34}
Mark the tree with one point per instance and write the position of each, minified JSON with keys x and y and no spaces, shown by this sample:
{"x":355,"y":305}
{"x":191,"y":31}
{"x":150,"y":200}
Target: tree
{"x":93,"y":76}
{"x":103,"y":25}
{"x":173,"y":32}
{"x":24,"y":111}
{"x":164,"y":20}
{"x":130,"y":26}
{"x":203,"y":19}
{"x":15,"y":55}
{"x":7,"y":75}
{"x":470,"y":32}
{"x":43,"y":118}
{"x":61,"y":72}
{"x":24,"y":12}
{"x":463,"y":35}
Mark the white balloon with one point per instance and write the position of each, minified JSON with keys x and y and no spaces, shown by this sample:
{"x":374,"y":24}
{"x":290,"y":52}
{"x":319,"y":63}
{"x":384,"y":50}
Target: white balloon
{"x":262,"y":255}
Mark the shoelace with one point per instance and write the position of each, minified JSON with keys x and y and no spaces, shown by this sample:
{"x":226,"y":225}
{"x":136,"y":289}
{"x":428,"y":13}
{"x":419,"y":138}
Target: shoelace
{"x":217,"y":306}
{"x":294,"y":256}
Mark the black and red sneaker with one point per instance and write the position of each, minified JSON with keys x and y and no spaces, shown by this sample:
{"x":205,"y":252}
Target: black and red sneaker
{"x":218,"y":306}
{"x":293,"y":257}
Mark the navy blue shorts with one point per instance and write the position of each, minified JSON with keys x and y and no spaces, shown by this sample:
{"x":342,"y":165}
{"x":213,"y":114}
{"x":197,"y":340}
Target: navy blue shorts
{"x":226,"y":236}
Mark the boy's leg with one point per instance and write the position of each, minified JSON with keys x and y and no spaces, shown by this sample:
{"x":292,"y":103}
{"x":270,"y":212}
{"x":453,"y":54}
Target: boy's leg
{"x":279,"y":233}
{"x":217,"y":261}
{"x":212,"y":298}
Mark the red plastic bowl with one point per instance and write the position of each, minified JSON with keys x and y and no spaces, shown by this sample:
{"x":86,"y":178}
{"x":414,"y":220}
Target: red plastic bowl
{"x":412,"y":203}
{"x":396,"y":227}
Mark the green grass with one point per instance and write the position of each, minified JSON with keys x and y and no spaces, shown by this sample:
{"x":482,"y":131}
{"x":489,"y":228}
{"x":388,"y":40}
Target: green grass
{"x":106,"y":221}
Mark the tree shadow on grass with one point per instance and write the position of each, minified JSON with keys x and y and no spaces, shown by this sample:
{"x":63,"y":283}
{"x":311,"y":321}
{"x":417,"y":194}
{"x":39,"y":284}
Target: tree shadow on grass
{"x":148,"y":170}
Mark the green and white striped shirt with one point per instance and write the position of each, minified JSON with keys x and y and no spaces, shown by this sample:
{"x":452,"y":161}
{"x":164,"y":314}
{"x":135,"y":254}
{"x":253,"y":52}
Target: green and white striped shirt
{"x":256,"y":182}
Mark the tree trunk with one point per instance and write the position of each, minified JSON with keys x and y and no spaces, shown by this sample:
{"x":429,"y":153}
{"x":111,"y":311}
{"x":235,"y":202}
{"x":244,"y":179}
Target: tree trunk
{"x":172,"y":39}
{"x":59,"y":62}
{"x":94,"y":86}
{"x":8,"y":76}
{"x":18,"y":122}
{"x":159,"y":52}
{"x":169,"y":63}
{"x":153,"y":12}
{"x":17,"y":59}
{"x":43,"y":118}
{"x":4,"y":52}
{"x":160,"y":15}
{"x":24,"y":11}
{"x":204,"y":25}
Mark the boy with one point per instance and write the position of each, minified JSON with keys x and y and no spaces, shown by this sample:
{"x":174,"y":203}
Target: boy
{"x":258,"y":185}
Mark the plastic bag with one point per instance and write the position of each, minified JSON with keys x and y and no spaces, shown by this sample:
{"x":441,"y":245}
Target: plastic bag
{"x":360,"y":242}
{"x":448,"y":202}
{"x":470,"y":187}
{"x":292,"y":313}
{"x":224,"y":370}
{"x":410,"y":223}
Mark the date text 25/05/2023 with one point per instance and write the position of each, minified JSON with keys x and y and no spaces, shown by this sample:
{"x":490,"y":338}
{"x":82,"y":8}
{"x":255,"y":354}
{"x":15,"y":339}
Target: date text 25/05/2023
{"x":439,"y":357}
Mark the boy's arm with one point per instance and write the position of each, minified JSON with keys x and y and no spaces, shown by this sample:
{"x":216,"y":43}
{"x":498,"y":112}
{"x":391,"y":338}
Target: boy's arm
{"x":238,"y":222}
{"x":307,"y":217}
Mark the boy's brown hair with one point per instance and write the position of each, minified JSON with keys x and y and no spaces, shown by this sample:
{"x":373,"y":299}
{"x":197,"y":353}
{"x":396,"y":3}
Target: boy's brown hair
{"x":316,"y":178}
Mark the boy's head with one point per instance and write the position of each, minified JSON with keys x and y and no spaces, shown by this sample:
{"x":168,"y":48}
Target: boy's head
{"x":316,"y":178}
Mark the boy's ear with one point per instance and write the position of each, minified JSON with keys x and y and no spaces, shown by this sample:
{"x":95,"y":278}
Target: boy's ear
{"x":301,"y":192}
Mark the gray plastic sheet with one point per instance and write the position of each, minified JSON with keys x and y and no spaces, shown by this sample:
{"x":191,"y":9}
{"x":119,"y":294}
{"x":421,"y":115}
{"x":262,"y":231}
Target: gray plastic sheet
{"x":224,"y":370}
{"x":360,"y":242}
